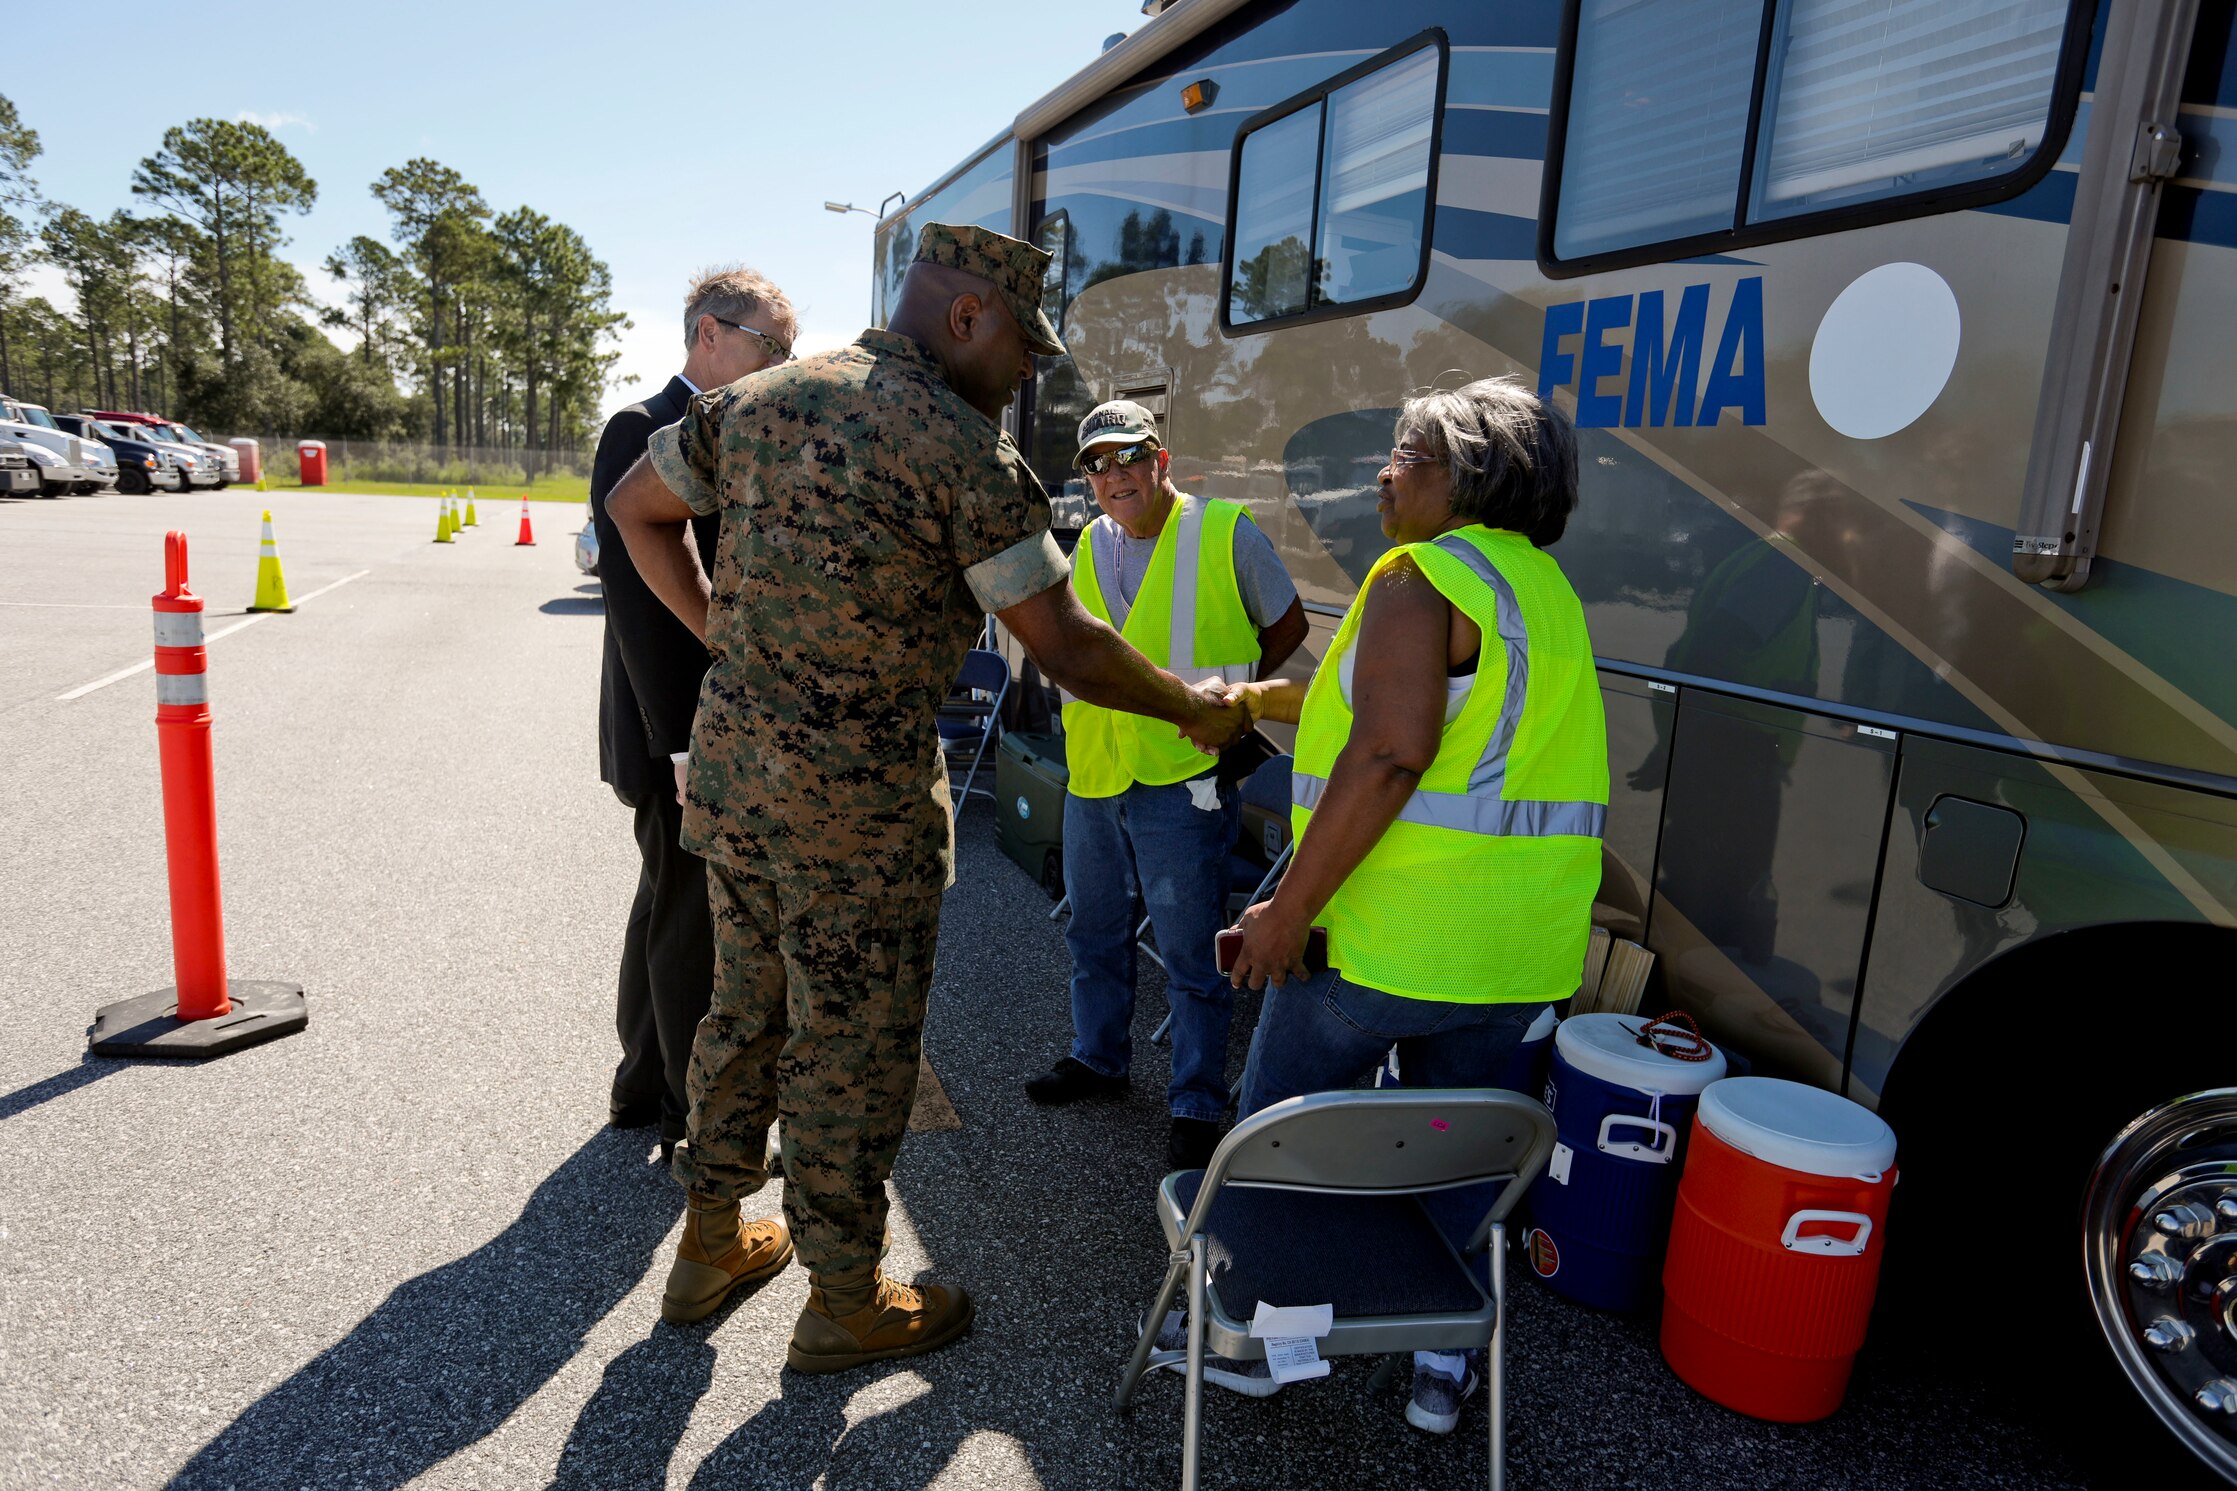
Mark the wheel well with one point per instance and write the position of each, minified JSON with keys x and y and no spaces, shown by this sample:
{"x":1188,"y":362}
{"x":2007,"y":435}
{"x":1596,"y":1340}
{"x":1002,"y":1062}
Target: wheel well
{"x":2004,"y":1098}
{"x":2036,"y":1059}
{"x":2129,"y":1012}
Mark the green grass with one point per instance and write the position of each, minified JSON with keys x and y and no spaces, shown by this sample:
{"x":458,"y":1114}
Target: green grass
{"x":546,"y":489}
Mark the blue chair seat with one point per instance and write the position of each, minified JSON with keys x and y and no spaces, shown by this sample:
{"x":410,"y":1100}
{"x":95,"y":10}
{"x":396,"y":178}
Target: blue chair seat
{"x":1372,"y":1255}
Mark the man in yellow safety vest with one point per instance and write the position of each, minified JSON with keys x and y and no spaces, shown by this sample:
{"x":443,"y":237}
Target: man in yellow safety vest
{"x":1198,"y":589}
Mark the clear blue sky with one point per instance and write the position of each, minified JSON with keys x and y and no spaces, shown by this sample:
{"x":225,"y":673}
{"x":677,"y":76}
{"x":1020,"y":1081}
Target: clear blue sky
{"x":670,"y":139}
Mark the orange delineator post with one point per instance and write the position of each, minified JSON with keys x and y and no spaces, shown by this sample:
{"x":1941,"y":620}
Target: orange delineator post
{"x":527,"y":534}
{"x":182,"y":730}
{"x":206,"y":1014}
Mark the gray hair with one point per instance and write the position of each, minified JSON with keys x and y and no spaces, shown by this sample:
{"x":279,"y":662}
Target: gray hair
{"x":1511,"y":455}
{"x":732,"y":292}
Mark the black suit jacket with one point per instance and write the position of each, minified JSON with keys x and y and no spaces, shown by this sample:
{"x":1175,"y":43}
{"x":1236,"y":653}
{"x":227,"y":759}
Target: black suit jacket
{"x":649,"y":684}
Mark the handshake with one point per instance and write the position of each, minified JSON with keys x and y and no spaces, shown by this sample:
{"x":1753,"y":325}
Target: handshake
{"x":1223,"y":715}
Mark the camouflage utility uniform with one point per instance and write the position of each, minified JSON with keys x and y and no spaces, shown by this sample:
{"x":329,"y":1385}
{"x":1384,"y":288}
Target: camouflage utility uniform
{"x":870,"y":518}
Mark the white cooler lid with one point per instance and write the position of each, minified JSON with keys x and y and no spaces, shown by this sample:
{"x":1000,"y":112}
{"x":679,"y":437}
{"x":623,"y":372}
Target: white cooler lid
{"x":1607,"y":1047}
{"x":1798,"y":1127}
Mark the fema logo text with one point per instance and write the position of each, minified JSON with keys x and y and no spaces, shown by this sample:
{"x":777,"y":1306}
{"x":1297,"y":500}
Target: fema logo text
{"x":1586,"y":341}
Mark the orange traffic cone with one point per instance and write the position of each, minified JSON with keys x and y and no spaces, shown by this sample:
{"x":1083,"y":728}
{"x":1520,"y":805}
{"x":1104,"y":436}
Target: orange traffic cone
{"x":527,"y":534}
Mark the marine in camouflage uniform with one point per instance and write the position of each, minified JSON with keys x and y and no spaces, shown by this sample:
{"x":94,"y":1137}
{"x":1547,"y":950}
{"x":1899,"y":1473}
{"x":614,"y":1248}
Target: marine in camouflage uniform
{"x":871,"y":517}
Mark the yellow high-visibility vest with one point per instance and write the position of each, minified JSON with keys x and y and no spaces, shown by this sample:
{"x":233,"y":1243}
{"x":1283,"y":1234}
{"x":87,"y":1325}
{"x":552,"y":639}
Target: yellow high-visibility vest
{"x":1189,"y":619}
{"x":1481,"y":892}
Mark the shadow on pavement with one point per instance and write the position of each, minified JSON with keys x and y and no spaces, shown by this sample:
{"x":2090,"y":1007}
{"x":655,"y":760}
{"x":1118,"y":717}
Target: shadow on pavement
{"x":574,"y":605}
{"x":802,"y":1437}
{"x":629,"y":1430}
{"x":89,"y":1069}
{"x":449,"y":1356}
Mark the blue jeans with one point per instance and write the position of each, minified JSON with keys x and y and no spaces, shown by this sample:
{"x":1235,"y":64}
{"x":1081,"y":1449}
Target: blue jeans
{"x":1153,"y":847}
{"x":1323,"y":1034}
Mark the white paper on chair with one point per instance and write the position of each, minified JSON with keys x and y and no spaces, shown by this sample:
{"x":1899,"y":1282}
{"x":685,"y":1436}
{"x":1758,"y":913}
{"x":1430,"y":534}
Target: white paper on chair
{"x":1297,"y":1320}
{"x":1292,"y":1336}
{"x":1294,"y":1358}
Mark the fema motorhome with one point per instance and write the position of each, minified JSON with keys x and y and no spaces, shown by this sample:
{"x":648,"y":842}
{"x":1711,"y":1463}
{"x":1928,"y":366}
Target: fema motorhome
{"x":1898,"y":335}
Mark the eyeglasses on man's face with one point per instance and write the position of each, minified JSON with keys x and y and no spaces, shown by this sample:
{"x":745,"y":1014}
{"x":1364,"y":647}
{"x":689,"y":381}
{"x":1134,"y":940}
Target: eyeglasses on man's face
{"x":1126,"y":455}
{"x":778,"y":351}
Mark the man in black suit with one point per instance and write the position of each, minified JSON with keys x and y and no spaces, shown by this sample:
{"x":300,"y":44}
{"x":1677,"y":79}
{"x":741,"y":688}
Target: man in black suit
{"x":735,"y":322}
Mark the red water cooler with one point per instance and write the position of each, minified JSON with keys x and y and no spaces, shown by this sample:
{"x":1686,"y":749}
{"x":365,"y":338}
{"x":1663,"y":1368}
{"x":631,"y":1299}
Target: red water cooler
{"x":1775,"y":1248}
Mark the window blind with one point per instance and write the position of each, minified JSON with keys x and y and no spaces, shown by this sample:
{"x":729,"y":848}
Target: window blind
{"x":1863,"y":93}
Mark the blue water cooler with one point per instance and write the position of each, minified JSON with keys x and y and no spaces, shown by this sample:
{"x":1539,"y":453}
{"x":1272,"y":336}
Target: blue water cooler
{"x":1600,"y":1215}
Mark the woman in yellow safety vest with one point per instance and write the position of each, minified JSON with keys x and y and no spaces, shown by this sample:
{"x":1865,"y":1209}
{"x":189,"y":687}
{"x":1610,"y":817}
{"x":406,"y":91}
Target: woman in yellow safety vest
{"x":1449,"y":793}
{"x":1452,"y":772}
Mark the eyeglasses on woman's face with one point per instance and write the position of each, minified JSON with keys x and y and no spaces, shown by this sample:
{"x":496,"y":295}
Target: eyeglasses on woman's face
{"x":1402,"y":455}
{"x":1126,"y":455}
{"x":778,"y":351}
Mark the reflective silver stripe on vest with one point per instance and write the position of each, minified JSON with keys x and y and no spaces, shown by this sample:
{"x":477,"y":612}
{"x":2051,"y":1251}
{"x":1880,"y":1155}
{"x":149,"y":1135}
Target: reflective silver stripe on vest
{"x":1490,"y":816}
{"x":1490,"y":775}
{"x":1180,"y":643}
{"x":182,"y":688}
{"x":178,"y":628}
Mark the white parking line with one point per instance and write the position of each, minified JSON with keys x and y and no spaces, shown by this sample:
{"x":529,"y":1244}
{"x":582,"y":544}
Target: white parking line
{"x":121,"y":674}
{"x":72,"y":605}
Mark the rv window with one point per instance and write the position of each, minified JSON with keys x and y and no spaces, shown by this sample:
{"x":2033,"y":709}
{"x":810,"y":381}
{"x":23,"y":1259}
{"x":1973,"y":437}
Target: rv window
{"x":1871,"y":100}
{"x":1056,"y":242}
{"x":1332,"y":192}
{"x":1374,"y":176}
{"x":1274,"y":218}
{"x":1658,"y":122}
{"x":1850,"y":103}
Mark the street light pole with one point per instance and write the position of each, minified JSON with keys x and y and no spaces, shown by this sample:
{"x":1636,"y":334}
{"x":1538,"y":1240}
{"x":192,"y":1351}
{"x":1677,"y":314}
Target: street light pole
{"x":843,"y":207}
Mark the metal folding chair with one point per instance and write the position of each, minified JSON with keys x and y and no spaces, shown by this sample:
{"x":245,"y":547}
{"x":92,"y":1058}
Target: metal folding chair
{"x":1297,"y":1194}
{"x":971,"y":717}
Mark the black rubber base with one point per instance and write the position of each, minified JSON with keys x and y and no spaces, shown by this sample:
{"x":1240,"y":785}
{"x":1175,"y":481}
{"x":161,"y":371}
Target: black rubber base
{"x":263,"y":1010}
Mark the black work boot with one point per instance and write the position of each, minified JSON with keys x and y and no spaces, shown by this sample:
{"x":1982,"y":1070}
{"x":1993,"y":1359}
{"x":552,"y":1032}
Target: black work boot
{"x":1070,"y":1080}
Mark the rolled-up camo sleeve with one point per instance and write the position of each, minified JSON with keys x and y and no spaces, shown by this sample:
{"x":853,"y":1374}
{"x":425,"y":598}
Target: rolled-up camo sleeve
{"x":686,"y":455}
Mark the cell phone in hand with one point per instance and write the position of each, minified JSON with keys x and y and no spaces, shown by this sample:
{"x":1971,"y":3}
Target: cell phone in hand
{"x":1227,"y":946}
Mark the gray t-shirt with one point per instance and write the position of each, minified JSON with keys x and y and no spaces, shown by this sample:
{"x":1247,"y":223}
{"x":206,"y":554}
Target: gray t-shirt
{"x":1265,"y":586}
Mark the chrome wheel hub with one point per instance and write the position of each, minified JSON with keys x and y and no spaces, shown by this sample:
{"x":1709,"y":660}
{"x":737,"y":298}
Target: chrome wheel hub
{"x":2160,"y":1245}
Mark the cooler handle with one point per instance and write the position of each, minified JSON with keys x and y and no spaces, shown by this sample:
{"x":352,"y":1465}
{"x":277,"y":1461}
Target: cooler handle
{"x":1659,"y":1152}
{"x":1831,"y":1247}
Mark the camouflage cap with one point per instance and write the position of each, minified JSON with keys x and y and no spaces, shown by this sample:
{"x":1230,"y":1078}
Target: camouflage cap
{"x":1011,"y":264}
{"x":1117,"y":422}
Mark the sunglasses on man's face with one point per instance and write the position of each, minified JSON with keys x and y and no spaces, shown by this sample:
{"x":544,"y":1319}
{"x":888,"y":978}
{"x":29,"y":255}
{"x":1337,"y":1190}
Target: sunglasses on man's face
{"x":778,"y":351}
{"x":1126,"y":455}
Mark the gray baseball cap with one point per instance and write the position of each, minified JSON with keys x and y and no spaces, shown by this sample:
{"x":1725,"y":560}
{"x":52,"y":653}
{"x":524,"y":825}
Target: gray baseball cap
{"x":1119,"y":422}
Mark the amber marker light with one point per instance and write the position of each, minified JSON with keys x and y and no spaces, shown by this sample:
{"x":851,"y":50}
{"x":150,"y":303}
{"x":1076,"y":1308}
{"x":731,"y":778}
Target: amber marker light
{"x":1198,"y":94}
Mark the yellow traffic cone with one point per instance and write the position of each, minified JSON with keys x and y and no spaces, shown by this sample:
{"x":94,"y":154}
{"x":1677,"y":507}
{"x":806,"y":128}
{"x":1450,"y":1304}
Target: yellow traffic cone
{"x":471,"y":520}
{"x":271,"y":585}
{"x":260,"y":484}
{"x":443,"y":522}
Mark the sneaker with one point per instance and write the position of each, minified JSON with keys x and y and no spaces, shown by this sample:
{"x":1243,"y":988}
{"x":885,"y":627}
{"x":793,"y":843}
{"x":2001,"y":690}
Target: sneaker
{"x":1251,"y":1379}
{"x":1070,"y":1080}
{"x":1190,"y":1145}
{"x":1438,"y":1394}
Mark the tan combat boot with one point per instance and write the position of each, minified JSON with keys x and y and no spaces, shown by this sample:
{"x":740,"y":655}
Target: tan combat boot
{"x":716,"y":1256}
{"x":886,"y":1320}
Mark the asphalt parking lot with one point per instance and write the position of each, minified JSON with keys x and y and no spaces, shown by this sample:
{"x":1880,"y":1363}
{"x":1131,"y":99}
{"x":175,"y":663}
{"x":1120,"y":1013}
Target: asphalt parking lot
{"x":401,"y":1247}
